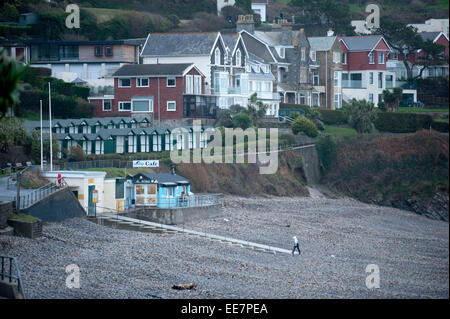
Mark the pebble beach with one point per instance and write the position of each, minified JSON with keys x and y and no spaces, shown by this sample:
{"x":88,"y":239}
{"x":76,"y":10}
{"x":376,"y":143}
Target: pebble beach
{"x":338,"y":239}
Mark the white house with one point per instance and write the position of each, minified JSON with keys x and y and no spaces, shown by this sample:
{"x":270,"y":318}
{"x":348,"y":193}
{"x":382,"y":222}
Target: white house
{"x":260,"y":7}
{"x":83,"y":184}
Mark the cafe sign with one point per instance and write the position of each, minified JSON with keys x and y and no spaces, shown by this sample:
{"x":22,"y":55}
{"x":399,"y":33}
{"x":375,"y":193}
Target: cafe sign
{"x":146,"y":163}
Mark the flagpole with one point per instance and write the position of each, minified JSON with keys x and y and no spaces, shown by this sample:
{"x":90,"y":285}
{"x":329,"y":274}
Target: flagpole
{"x":42,"y":141}
{"x":50,"y":125}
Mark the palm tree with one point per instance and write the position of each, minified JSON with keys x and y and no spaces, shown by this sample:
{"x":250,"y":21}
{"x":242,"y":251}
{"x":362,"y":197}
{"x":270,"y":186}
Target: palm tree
{"x":10,"y":74}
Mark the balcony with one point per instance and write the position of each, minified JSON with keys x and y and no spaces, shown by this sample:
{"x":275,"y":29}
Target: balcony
{"x":355,"y":84}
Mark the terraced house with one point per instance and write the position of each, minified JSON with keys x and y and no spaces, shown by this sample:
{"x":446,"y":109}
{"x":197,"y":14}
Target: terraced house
{"x":121,"y":135}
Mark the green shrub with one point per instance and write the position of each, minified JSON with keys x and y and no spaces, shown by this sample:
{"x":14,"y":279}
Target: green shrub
{"x":294,"y":115}
{"x":302,"y":124}
{"x":242,"y":120}
{"x":327,"y":150}
{"x":402,"y":122}
{"x":333,"y":117}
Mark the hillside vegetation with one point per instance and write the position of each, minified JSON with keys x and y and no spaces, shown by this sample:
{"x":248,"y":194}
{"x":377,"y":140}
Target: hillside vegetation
{"x":408,"y":172}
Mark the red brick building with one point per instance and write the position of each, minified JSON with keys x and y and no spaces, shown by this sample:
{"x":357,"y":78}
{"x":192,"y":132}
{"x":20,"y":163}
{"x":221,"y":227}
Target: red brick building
{"x":154,"y":90}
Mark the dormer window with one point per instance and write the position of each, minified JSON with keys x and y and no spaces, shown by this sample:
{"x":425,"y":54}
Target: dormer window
{"x":282,"y":53}
{"x":98,"y":50}
{"x":303,"y":53}
{"x":217,"y":56}
{"x":238,"y":58}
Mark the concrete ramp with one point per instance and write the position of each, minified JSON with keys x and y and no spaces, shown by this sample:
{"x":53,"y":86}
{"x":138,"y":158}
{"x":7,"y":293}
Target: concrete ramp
{"x":56,"y":207}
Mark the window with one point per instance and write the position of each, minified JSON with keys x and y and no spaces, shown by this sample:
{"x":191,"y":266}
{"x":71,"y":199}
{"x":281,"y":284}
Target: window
{"x":371,"y":97}
{"x":142,"y":82}
{"x":238,"y":58}
{"x":217,"y":56}
{"x":313,"y":55}
{"x":248,"y":68}
{"x":389,"y":81}
{"x":98,"y":50}
{"x":124,"y":106}
{"x":380,"y":57}
{"x":142,"y":105}
{"x":171,"y":106}
{"x":316,"y":78}
{"x":124,"y":83}
{"x":170,"y":191}
{"x":371,"y":58}
{"x":336,"y":57}
{"x":189,"y":84}
{"x":394,"y":55}
{"x":108,"y":50}
{"x":303,"y":52}
{"x":197,"y":84}
{"x":344,"y":58}
{"x":258,"y":86}
{"x":282,"y":53}
{"x":370,"y":77}
{"x":268,"y":86}
{"x":380,"y":80}
{"x":337,"y":78}
{"x":171,"y":82}
{"x":302,"y":98}
{"x":67,"y":52}
{"x":107,"y":105}
{"x":356,"y":80}
{"x":337,"y":101}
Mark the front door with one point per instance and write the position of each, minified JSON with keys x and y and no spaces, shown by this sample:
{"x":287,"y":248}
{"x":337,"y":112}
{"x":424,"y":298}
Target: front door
{"x":90,"y":202}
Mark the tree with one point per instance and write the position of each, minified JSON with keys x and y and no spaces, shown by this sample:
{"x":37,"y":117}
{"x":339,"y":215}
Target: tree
{"x":433,"y":55}
{"x":256,"y":109}
{"x":242,"y":120}
{"x":392,"y":99}
{"x":405,"y":39}
{"x":77,"y":153}
{"x":36,"y":146}
{"x":361,"y":115}
{"x":245,"y":5}
{"x":10,"y":74}
{"x":12,"y":133}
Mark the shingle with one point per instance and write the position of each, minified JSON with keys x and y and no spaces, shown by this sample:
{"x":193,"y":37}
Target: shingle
{"x":429,"y":36}
{"x":321,"y":43}
{"x":152,"y":69}
{"x":179,"y":44}
{"x":257,"y":48}
{"x":361,"y":43}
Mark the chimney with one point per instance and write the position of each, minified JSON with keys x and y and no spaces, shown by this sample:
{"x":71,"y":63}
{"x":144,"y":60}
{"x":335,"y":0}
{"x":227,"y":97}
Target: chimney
{"x":330,"y":32}
{"x":245,"y":22}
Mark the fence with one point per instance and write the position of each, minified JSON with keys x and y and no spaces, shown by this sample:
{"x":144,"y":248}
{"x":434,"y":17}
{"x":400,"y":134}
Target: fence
{"x":98,"y":164}
{"x":9,"y":275}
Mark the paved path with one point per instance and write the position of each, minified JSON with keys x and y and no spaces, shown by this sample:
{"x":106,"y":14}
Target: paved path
{"x":242,"y":243}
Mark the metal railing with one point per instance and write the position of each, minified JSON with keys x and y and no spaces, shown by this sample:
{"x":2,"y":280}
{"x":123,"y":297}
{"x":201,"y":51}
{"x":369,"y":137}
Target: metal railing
{"x":197,"y":200}
{"x":40,"y":193}
{"x":10,"y":275}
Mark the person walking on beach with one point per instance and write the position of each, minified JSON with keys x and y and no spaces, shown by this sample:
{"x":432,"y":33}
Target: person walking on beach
{"x":296,"y":246}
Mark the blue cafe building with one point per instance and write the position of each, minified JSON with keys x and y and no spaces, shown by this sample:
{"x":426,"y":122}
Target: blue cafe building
{"x":162,"y":190}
